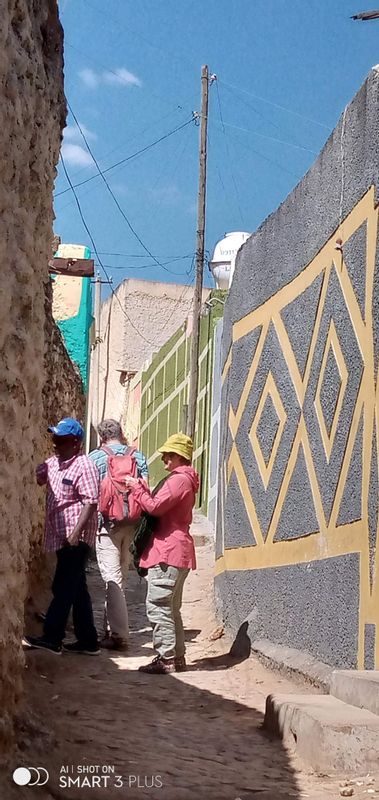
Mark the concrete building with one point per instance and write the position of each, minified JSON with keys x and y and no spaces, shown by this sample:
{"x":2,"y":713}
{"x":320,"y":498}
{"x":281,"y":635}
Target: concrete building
{"x":136,"y":320}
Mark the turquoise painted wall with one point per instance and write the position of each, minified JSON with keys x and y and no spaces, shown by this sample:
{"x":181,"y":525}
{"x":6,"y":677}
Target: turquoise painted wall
{"x":75,"y":332}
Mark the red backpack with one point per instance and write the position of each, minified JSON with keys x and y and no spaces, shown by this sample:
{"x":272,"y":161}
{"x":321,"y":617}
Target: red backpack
{"x":115,"y":503}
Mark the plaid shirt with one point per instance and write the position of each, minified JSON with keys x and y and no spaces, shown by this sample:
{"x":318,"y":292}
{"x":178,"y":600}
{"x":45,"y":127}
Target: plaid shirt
{"x":70,"y":485}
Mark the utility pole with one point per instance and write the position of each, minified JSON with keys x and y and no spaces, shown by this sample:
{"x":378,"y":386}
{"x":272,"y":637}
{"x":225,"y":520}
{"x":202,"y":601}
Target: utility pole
{"x":200,"y":238}
{"x":93,"y":407}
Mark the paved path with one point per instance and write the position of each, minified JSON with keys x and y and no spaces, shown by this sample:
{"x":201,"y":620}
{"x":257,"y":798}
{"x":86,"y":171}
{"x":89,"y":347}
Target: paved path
{"x":198,"y":733}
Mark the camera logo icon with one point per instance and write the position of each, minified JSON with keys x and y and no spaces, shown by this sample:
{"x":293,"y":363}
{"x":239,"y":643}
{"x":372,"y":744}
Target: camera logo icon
{"x":30,"y":776}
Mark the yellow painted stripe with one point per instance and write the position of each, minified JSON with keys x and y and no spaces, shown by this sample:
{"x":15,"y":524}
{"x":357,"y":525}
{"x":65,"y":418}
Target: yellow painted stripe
{"x":344,"y":540}
{"x":325,"y":257}
{"x":227,"y":366}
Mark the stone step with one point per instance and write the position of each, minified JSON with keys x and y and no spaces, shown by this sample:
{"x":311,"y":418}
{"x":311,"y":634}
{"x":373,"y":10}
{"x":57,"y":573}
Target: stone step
{"x":328,"y":735}
{"x":357,"y":687}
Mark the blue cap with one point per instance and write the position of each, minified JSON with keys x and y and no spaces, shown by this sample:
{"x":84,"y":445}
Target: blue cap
{"x":67,"y":427}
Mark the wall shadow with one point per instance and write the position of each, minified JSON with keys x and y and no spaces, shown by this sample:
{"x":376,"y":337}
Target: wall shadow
{"x":180,"y":730}
{"x":239,"y":652}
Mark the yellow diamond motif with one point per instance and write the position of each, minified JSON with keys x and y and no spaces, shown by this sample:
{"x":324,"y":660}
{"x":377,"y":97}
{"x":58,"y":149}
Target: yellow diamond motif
{"x":269,"y":390}
{"x":333,"y":344}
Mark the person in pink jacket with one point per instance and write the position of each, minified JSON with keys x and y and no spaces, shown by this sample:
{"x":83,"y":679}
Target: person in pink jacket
{"x":170,"y":554}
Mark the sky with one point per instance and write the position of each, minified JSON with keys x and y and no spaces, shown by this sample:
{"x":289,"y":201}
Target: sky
{"x":285,"y":71}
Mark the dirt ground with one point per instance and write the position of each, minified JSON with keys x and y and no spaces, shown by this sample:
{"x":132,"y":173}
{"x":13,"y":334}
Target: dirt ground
{"x":103,"y":730}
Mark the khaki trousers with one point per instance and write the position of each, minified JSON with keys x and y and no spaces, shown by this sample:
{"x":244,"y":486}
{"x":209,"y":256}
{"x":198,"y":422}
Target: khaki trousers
{"x":163,"y":603}
{"x":113,"y":557}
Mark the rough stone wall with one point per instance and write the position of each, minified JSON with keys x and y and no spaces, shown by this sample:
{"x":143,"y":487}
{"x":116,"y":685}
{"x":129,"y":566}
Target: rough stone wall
{"x":32,"y":113}
{"x":62,"y":396}
{"x":298,"y":496}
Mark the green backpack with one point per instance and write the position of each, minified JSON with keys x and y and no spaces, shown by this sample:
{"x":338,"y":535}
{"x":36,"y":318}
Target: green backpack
{"x":144,"y":532}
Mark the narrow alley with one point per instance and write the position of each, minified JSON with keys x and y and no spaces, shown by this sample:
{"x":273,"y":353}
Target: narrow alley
{"x":176,"y":360}
{"x":177,"y":737}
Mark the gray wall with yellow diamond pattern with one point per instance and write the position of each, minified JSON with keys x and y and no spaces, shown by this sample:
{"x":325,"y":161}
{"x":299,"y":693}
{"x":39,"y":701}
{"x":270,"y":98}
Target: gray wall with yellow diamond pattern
{"x":298,"y":480}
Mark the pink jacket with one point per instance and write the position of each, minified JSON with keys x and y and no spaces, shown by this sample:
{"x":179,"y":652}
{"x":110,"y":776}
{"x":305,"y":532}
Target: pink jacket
{"x":172,"y":542}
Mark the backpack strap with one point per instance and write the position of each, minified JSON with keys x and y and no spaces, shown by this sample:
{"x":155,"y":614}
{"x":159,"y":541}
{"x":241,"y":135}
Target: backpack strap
{"x":128,"y":452}
{"x":107,"y":450}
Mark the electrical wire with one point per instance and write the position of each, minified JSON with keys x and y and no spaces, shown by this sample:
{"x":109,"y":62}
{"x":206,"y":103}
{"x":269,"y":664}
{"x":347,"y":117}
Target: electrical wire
{"x":97,"y":254}
{"x":176,"y":160}
{"x":137,"y":135}
{"x":140,"y":255}
{"x":123,"y":160}
{"x":269,"y":159}
{"x":275,"y":105}
{"x":271,"y":138}
{"x":191,"y":276}
{"x":248,"y":105}
{"x":229,"y":157}
{"x":213,"y":155}
{"x":122,"y":212}
{"x":179,"y":58}
{"x":149,"y":266}
{"x":121,"y":79}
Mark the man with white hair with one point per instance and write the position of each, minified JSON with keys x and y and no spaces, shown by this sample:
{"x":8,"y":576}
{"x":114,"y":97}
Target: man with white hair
{"x":113,"y":540}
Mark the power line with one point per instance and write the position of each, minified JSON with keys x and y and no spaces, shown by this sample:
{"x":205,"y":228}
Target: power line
{"x":123,"y":160}
{"x":270,"y":138}
{"x":136,"y":135}
{"x":176,"y":161}
{"x":213,"y":152}
{"x":149,"y":266}
{"x":276,"y":105}
{"x":139,"y":255}
{"x":191,"y":276}
{"x":251,"y":107}
{"x":122,"y":212}
{"x":229,"y":157}
{"x":177,"y":303}
{"x":120,"y":78}
{"x":97,"y":254}
{"x":269,"y":159}
{"x":179,"y":58}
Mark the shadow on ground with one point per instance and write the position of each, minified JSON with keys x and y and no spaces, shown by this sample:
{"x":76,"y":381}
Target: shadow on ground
{"x":166,"y":737}
{"x":239,"y":652}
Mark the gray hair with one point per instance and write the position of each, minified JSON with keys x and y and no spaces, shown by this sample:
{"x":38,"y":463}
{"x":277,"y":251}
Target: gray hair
{"x":110,"y":429}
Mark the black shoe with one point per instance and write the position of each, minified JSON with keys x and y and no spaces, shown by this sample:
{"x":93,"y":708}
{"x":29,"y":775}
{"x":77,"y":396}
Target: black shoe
{"x":77,"y":647}
{"x":159,"y":666}
{"x":39,"y":643}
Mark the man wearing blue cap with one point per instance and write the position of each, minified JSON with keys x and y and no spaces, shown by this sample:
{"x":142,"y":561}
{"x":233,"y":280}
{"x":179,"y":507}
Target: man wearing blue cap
{"x":71,"y":522}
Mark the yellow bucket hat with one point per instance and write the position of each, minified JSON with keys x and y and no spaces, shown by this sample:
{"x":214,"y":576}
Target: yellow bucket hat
{"x":180,"y":444}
